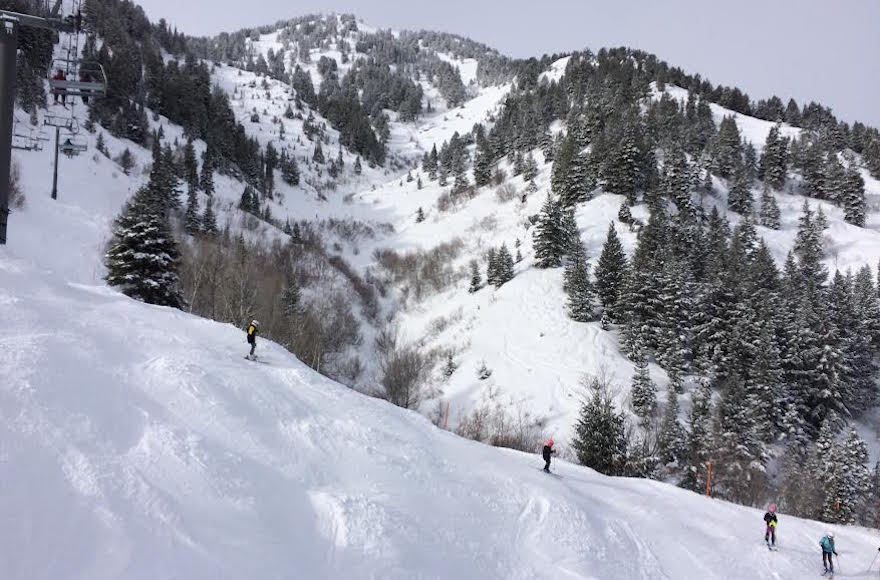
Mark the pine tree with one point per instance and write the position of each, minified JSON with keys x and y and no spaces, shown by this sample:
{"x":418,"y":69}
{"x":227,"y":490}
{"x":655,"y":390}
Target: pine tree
{"x":192,"y":221}
{"x":600,"y":441}
{"x":318,"y":155}
{"x":126,"y":161}
{"x":504,"y":266}
{"x":190,"y":166}
{"x":855,"y":478}
{"x":826,"y":466}
{"x":740,"y":196}
{"x":551,"y":241}
{"x":289,"y":170}
{"x":291,"y":300}
{"x":143,"y":255}
{"x":728,"y":148}
{"x":671,"y":441}
{"x":853,"y":196}
{"x":207,"y":176}
{"x":530,"y":168}
{"x":611,"y":274}
{"x":699,"y":442}
{"x":491,"y":267}
{"x":643,"y":392}
{"x":357,"y":166}
{"x":581,"y":297}
{"x":483,"y":163}
{"x":420,"y":215}
{"x":209,"y":220}
{"x":774,"y":159}
{"x":740,"y":455}
{"x":476,"y":279}
{"x":769,"y":215}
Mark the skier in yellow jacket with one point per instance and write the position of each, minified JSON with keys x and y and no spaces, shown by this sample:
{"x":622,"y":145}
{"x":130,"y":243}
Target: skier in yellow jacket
{"x":252,"y":330}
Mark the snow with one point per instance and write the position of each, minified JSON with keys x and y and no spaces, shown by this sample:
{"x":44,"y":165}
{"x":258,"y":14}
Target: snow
{"x":753,"y":130}
{"x":467,"y":67}
{"x":556,"y":71}
{"x":136,"y":442}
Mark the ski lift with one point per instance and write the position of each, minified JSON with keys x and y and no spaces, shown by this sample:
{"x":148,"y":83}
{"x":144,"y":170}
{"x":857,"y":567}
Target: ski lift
{"x":72,"y":146}
{"x":77,"y":78}
{"x":61,"y":122}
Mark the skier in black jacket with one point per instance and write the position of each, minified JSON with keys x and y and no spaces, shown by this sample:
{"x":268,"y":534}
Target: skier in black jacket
{"x":548,"y":451}
{"x":770,"y":521}
{"x":252,"y":330}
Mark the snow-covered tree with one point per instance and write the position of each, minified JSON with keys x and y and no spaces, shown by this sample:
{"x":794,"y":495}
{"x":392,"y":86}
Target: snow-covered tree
{"x":600,"y":440}
{"x":143,"y":256}
{"x":611,"y":274}
{"x":551,"y":239}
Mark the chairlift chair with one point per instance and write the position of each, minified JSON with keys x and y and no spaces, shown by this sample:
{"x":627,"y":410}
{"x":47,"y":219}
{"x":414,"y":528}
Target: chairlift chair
{"x":60,"y":121}
{"x":82,"y":79}
{"x":73,"y":147}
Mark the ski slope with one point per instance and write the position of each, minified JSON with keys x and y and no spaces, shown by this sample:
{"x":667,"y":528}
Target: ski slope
{"x":136,"y":442}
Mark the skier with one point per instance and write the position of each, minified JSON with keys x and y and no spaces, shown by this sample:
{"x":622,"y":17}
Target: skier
{"x":252,"y":330}
{"x":827,"y":543}
{"x":60,"y":76}
{"x":770,"y":521}
{"x":548,"y":451}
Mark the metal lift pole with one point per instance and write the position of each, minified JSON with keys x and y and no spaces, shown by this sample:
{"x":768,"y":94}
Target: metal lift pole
{"x":55,"y":174}
{"x":8,"y":48}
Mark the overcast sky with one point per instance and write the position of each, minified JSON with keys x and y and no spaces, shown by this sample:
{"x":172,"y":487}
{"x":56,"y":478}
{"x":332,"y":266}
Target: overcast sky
{"x":823,"y":50}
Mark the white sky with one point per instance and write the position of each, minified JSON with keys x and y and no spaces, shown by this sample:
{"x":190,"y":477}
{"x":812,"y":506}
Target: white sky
{"x":822,"y":50}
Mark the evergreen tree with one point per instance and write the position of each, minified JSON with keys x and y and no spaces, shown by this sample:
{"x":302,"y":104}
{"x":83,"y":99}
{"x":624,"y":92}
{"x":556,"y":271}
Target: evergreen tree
{"x":855,"y":478}
{"x":551,"y":239}
{"x":126,"y":161}
{"x":504,"y":266}
{"x":209,"y":220}
{"x":643,"y":392}
{"x":143,"y":255}
{"x":190,"y":166}
{"x":671,"y":441}
{"x":357,"y":166}
{"x":740,"y":196}
{"x":420,"y":215}
{"x":483,"y":163}
{"x":530,"y":168}
{"x":289,"y":170}
{"x":699,"y":442}
{"x":611,"y":274}
{"x":207,"y":176}
{"x":476,"y":279}
{"x":740,"y":455}
{"x":192,"y":221}
{"x":318,"y":155}
{"x":853,"y":196}
{"x":774,"y":160}
{"x":728,"y":148}
{"x":621,"y":170}
{"x":581,"y":297}
{"x":491,"y":267}
{"x":600,"y":441}
{"x":769,"y":216}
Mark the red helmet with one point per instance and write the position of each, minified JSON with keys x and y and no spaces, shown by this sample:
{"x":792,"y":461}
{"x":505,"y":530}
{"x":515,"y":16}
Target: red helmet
{"x":550,"y":442}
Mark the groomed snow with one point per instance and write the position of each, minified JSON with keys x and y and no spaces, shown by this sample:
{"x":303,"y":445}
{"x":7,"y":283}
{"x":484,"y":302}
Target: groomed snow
{"x":136,"y":442}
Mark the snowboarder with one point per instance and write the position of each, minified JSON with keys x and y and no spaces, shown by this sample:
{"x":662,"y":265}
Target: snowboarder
{"x":770,"y":521}
{"x":548,"y":451}
{"x":252,"y":330}
{"x":827,"y":543}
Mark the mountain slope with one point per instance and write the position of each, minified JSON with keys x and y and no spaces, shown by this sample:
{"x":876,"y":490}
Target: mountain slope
{"x":137,"y":443}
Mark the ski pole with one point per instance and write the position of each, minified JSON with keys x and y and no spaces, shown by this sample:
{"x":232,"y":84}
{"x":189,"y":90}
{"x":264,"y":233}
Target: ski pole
{"x":873,"y":561}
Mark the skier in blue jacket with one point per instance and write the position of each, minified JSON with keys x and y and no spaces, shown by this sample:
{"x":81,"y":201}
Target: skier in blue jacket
{"x":827,"y":543}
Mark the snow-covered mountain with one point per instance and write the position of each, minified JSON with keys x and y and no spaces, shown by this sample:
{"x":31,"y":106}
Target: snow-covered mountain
{"x":137,"y":443}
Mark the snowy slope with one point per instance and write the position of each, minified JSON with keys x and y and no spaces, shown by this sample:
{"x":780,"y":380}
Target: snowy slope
{"x":136,"y":442}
